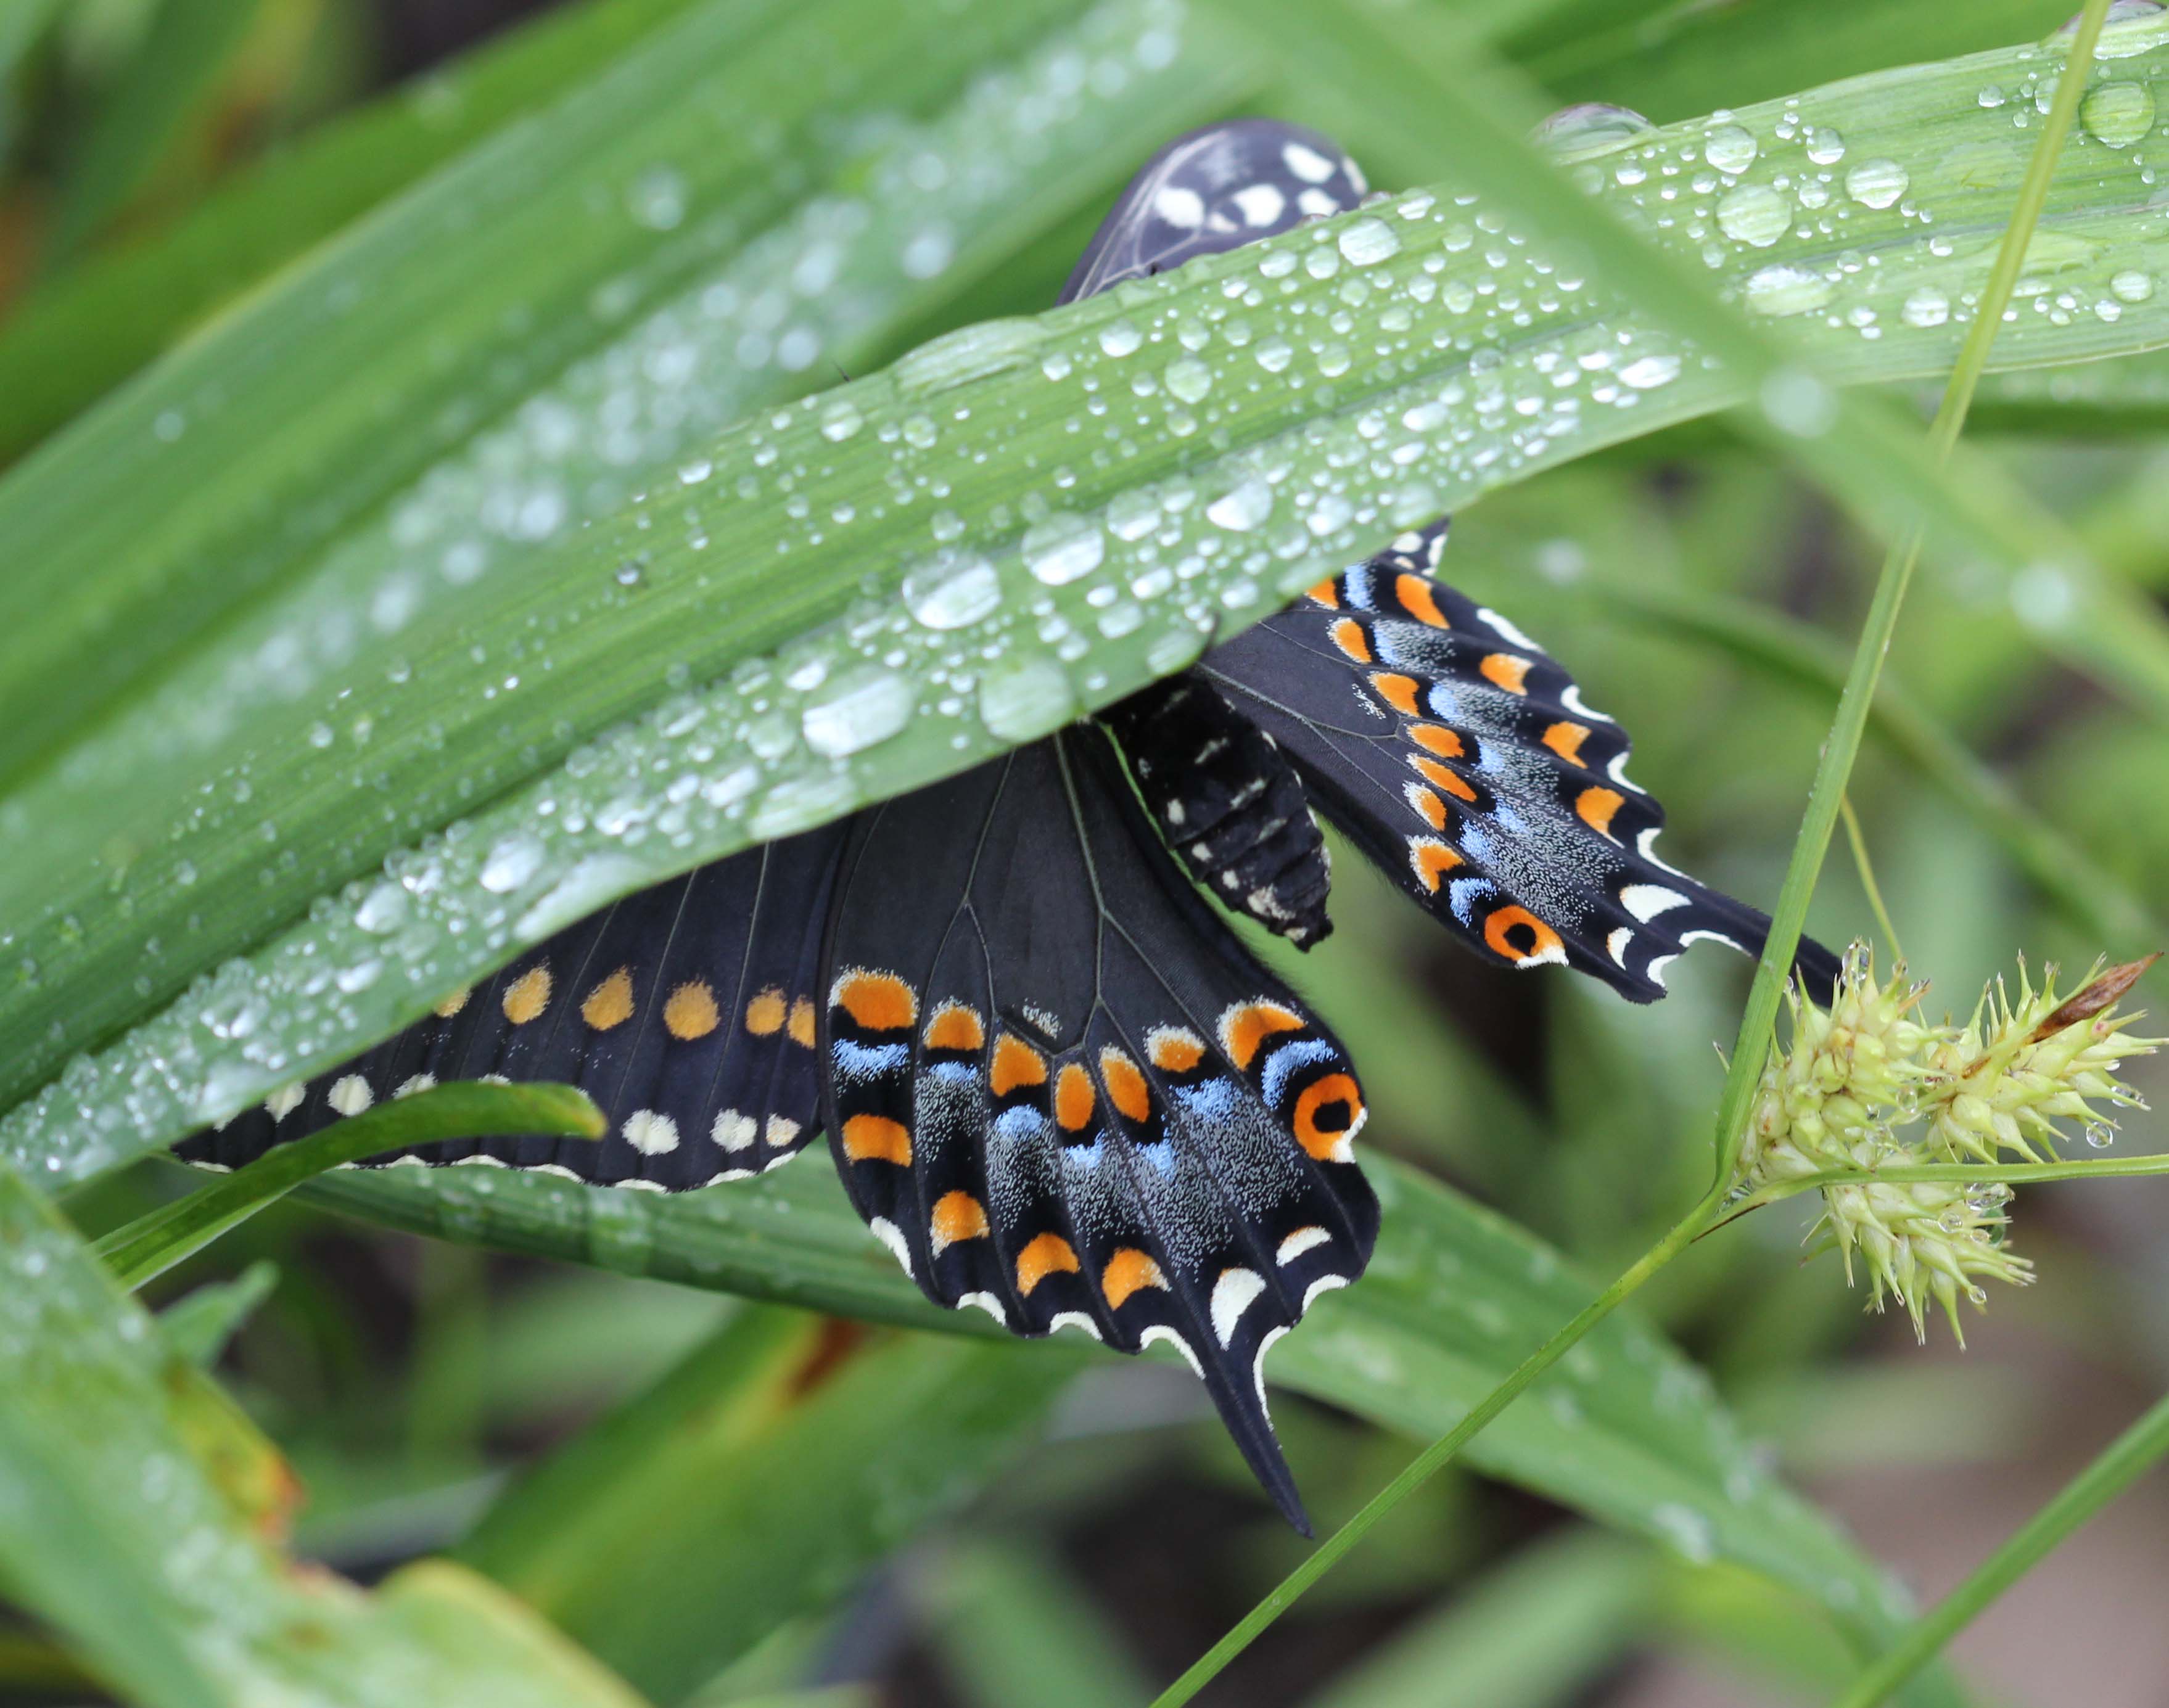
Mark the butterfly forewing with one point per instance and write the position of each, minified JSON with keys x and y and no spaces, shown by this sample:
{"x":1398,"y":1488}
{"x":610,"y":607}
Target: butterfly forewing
{"x":687,"y":1012}
{"x":1065,"y":1093}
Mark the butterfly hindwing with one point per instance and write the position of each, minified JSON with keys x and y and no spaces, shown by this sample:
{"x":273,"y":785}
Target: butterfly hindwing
{"x":1065,"y":1093}
{"x":687,"y":1012}
{"x":1462,"y":759}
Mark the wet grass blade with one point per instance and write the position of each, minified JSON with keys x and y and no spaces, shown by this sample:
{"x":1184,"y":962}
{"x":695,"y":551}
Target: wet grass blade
{"x":880,"y":699}
{"x":120,"y":1537}
{"x":147,"y":1249}
{"x":778,"y":1461}
{"x":1629,"y":1432}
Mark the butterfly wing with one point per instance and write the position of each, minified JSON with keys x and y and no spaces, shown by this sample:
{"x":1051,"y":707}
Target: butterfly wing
{"x":1463,"y":759}
{"x":1214,"y":189}
{"x":686,"y":1012}
{"x":1063,"y":1092}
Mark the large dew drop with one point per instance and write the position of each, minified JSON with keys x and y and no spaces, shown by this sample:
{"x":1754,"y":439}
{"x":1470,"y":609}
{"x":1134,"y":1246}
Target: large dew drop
{"x":1877,"y":183}
{"x":855,"y":712}
{"x":2117,"y":115}
{"x":1785,"y":289}
{"x":1754,"y":214}
{"x":1368,"y":242}
{"x":951,"y":588}
{"x":1729,"y":148}
{"x":1023,"y":698}
{"x":1590,"y":128}
{"x":1061,"y":548}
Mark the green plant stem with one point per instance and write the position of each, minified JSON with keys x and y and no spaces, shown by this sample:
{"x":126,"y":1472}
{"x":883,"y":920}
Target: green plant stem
{"x":2086,"y":1494}
{"x":1434,"y":1458}
{"x":1866,"y":867}
{"x":1758,"y":1024}
{"x":1956,"y":1174}
{"x":146,"y":1247}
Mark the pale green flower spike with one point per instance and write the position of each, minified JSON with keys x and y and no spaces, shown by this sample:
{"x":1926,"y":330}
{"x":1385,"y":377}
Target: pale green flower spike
{"x":1852,"y":1078}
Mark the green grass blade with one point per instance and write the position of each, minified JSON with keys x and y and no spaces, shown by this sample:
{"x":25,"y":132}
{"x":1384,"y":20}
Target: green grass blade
{"x":119,"y":1537}
{"x":199,"y":1325}
{"x":2120,"y":1463}
{"x":168,"y":83}
{"x":814,"y":728}
{"x":72,"y":340}
{"x":755,"y":1482}
{"x":147,"y":1249}
{"x":1627,"y":1431}
{"x":1536,"y":1632}
{"x":1012,"y":1626}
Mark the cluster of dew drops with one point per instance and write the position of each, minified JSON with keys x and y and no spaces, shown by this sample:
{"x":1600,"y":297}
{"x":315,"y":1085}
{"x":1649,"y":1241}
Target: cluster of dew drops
{"x":1343,"y":328}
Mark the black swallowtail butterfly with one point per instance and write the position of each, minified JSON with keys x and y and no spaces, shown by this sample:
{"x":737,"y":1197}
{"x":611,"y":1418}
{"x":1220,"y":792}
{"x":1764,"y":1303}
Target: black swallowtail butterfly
{"x":1059,"y":1087}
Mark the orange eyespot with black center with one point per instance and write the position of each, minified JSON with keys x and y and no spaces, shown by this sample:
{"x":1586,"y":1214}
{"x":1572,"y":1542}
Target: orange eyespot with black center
{"x":1431,"y":861}
{"x":1348,"y":636}
{"x":1017,"y":1063}
{"x":1437,"y":738}
{"x":1505,"y":670}
{"x":1048,"y":1255}
{"x":1247,"y":1025}
{"x":1445,"y":776}
{"x":1518,"y":935}
{"x":879,"y":1001}
{"x":1126,"y":1085}
{"x":1072,"y":1098}
{"x":1327,"y":1114}
{"x":1565,"y":739}
{"x":1420,"y":600}
{"x":1174,"y":1049}
{"x":1398,"y":691}
{"x":1595,"y":806}
{"x":954,"y":1027}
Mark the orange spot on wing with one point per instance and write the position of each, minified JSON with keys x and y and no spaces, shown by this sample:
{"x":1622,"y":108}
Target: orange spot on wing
{"x":800,"y":1026}
{"x":1072,"y":1098}
{"x":1420,"y":600}
{"x":1565,"y":739}
{"x":1429,"y":805}
{"x":1126,"y":1085}
{"x":1596,"y":807}
{"x":1016,"y":1063}
{"x":875,"y":1138}
{"x":1048,"y":1254}
{"x":691,"y":1012}
{"x":958,"y":1217}
{"x":453,"y":1003}
{"x":954,"y":1027}
{"x":880,"y":1001}
{"x":1247,"y":1025}
{"x":763,"y":1015}
{"x":1128,"y":1271}
{"x":527,"y":995}
{"x":1504,"y":670}
{"x":1522,"y":938}
{"x":1400,"y":692}
{"x":1445,"y":776}
{"x":1326,"y":1116}
{"x":1348,"y":636}
{"x":610,"y":1004}
{"x":1328,"y":593}
{"x":1175,"y":1049}
{"x":1431,"y":861}
{"x":1437,"y":738}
